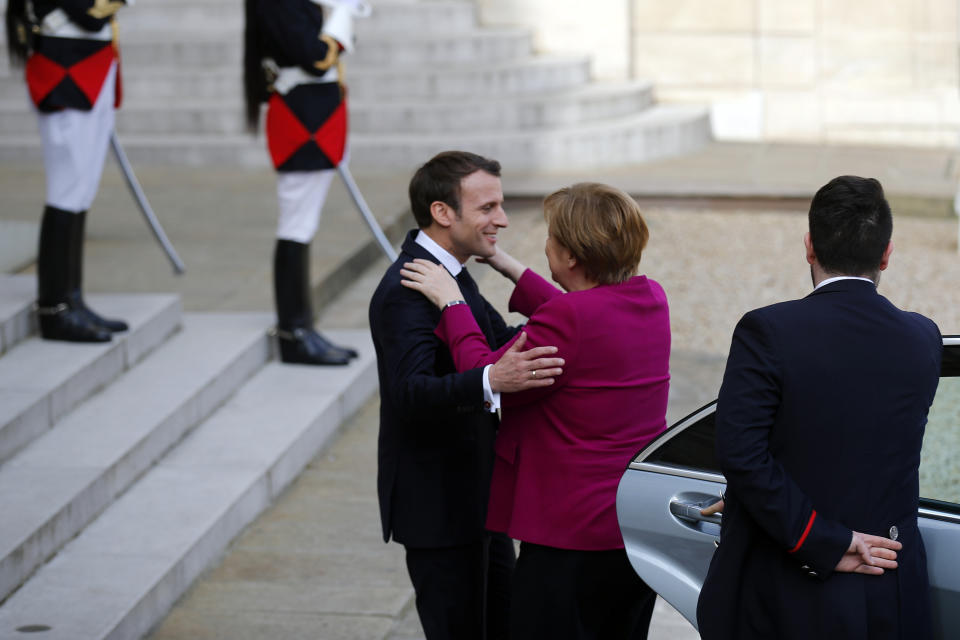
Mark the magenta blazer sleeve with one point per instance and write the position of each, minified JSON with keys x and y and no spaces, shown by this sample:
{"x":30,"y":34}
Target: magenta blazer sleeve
{"x":553,"y":323}
{"x":531,"y":292}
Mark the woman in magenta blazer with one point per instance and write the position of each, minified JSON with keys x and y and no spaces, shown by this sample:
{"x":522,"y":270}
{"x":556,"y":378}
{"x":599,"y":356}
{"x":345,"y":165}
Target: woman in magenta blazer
{"x":562,"y":449}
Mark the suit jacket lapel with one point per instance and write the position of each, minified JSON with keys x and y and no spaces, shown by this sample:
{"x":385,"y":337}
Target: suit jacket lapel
{"x":414,"y":250}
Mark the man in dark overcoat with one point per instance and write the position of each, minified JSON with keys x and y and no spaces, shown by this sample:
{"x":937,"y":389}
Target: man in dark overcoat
{"x":820,"y":421}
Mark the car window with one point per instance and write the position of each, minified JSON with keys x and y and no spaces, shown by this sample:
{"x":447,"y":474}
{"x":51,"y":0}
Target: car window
{"x":939,"y":470}
{"x":691,"y":449}
{"x":693,"y":446}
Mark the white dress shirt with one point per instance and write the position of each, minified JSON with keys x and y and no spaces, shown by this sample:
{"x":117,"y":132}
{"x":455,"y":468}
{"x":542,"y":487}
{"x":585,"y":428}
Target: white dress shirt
{"x":835,"y":278}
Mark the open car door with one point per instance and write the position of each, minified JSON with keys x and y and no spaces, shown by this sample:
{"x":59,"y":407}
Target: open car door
{"x":658,"y":505}
{"x":667,"y":483}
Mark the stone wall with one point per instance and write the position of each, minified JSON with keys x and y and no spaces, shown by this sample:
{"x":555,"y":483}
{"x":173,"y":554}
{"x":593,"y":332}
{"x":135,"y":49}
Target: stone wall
{"x":600,"y":28}
{"x":863,"y":71}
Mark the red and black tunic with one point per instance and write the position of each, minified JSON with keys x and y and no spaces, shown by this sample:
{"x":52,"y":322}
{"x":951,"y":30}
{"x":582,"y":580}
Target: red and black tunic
{"x":307,"y":124}
{"x":69,"y":72}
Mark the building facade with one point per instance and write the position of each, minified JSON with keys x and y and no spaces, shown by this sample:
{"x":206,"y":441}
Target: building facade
{"x":844,"y":71}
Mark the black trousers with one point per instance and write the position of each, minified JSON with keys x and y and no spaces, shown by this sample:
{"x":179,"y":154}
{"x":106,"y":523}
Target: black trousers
{"x":563,"y":594}
{"x":463,"y":592}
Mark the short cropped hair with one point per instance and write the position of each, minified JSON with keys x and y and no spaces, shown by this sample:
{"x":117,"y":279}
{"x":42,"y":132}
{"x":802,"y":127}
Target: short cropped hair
{"x":601,"y":226}
{"x":850,"y":225}
{"x":438,"y":180}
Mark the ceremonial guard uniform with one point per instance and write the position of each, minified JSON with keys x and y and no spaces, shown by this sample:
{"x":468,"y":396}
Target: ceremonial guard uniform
{"x":292,"y":62}
{"x":72,"y":63}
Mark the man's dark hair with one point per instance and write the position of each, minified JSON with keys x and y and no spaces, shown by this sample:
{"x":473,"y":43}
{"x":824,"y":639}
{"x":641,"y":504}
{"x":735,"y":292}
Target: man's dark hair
{"x":438,"y":180}
{"x":850,"y":225}
{"x":255,"y":90}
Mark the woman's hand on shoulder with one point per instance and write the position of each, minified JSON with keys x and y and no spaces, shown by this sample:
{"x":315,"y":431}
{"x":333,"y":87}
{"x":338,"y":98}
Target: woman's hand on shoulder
{"x":505,"y":264}
{"x":432,"y":280}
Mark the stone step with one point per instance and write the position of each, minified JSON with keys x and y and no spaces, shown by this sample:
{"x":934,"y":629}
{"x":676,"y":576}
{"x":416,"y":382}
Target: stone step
{"x":41,"y":380}
{"x":659,"y":131}
{"x":510,"y":113}
{"x":188,"y":50}
{"x":457,"y":85}
{"x":17,"y":320}
{"x":527,"y":76}
{"x":18,"y":246}
{"x":232,"y":150}
{"x":55,"y":486}
{"x":418,"y":18}
{"x":655,"y":133}
{"x":122,"y":573}
{"x":490,"y":45}
{"x":226,"y":16}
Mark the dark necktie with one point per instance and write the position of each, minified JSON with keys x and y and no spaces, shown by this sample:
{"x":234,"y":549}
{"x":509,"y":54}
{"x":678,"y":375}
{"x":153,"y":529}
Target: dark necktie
{"x":468,"y":287}
{"x":471,"y":294}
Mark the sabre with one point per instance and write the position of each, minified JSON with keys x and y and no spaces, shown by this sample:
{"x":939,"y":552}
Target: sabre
{"x":364,"y":210}
{"x":144,"y":205}
{"x":359,"y":9}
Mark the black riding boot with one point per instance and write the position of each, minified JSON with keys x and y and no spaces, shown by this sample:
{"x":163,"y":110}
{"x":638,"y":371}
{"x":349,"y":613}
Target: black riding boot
{"x":299,"y":342}
{"x":60,"y":318}
{"x":76,"y":279}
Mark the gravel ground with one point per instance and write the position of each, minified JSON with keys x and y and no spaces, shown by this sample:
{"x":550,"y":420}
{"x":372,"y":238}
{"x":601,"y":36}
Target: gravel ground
{"x":716,"y":265}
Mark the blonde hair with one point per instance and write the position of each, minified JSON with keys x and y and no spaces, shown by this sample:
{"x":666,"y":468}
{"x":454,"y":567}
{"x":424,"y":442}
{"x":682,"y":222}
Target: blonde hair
{"x":601,"y":226}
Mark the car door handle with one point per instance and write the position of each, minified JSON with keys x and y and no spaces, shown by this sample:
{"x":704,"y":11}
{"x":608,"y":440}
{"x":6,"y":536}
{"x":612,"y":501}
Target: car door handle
{"x":690,"y":511}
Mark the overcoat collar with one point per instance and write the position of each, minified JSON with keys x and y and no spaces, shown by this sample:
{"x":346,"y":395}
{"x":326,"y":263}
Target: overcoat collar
{"x":848,"y":285}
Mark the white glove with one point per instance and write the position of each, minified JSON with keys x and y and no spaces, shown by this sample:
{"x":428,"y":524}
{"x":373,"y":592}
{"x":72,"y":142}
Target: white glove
{"x":359,"y":8}
{"x":339,"y":26}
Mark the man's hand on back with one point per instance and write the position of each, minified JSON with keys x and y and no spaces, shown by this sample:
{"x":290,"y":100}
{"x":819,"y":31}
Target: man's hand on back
{"x":869,"y":554}
{"x":518,"y":370}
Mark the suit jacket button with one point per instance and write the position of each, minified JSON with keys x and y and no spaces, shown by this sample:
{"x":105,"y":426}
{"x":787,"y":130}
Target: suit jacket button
{"x":894,"y":532}
{"x":812,"y":574}
{"x":805,"y":567}
{"x":487,"y":405}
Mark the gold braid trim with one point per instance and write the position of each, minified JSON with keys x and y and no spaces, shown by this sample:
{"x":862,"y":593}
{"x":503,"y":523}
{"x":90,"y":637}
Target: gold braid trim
{"x":333,"y":53}
{"x":104,"y":8}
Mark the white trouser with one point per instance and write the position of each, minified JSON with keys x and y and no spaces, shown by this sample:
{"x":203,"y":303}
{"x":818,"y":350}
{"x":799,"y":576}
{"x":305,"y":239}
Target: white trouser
{"x":75,"y":148}
{"x":301,"y":195}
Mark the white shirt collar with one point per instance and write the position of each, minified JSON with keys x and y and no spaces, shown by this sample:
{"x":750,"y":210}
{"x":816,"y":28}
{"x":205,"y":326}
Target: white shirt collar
{"x":834,"y":279}
{"x":445,"y":257}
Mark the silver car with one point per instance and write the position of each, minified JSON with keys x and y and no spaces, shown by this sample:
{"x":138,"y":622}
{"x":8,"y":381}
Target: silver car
{"x":669,"y":481}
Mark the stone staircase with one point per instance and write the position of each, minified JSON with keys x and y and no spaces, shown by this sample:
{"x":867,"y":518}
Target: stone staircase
{"x":425,"y":77}
{"x":126,"y":468}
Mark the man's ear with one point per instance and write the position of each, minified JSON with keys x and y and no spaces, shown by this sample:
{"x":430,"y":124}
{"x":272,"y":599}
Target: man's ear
{"x":442,"y":214}
{"x":885,"y":260}
{"x":808,"y":244}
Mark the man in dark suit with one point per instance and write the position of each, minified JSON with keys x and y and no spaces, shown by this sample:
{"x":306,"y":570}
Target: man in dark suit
{"x":437,"y":426}
{"x":820,"y":420}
